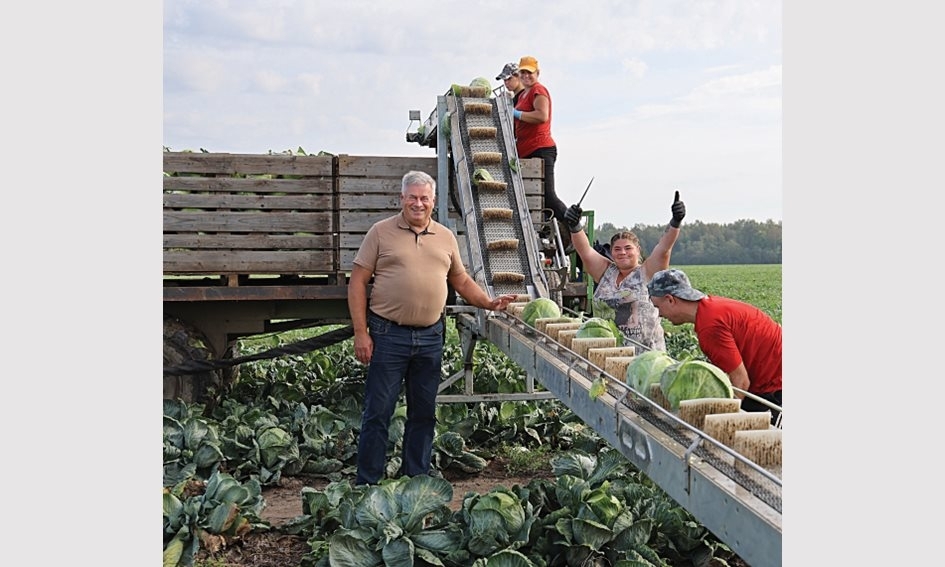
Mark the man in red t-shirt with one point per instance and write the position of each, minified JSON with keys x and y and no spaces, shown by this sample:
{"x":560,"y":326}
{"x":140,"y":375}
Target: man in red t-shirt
{"x":737,"y":337}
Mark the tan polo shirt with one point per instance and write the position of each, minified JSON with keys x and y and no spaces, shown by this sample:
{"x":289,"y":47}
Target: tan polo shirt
{"x":409,"y":270}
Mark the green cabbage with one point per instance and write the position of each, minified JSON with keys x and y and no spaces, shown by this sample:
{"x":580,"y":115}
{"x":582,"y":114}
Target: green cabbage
{"x":646,"y":369}
{"x":694,"y":379}
{"x":595,"y":328}
{"x":481,"y":174}
{"x":445,"y":124}
{"x":539,"y":308}
{"x":482,"y":82}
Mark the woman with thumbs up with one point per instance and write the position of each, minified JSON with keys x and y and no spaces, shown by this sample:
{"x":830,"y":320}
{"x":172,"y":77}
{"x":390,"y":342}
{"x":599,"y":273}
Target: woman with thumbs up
{"x":620,"y":293}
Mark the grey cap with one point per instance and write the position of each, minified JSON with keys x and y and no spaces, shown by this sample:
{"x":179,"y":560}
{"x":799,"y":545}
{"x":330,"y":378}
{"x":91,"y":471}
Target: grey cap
{"x":507,"y":71}
{"x":673,"y":282}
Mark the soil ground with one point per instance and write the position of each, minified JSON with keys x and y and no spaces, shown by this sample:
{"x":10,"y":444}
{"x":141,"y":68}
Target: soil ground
{"x":284,"y":502}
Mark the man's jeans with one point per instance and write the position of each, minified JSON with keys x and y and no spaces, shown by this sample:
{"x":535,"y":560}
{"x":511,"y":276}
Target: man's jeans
{"x":408,"y":355}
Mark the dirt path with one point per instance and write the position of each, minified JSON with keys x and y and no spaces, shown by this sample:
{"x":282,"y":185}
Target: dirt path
{"x":284,"y":502}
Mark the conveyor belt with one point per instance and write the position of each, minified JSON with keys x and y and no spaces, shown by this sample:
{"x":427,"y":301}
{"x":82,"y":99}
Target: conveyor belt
{"x":733,"y":497}
{"x":498,"y":244}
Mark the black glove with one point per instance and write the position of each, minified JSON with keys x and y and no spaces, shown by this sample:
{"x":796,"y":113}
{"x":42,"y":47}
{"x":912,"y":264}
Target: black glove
{"x":679,"y":212}
{"x":573,"y":218}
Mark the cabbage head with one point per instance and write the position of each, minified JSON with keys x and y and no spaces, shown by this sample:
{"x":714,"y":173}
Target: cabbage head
{"x":539,"y":308}
{"x":482,"y":82}
{"x":694,"y":379}
{"x":596,"y":328}
{"x":646,"y":369}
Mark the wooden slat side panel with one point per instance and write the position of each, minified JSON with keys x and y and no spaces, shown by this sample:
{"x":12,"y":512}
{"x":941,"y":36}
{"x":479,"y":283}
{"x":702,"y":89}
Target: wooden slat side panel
{"x":252,"y":202}
{"x":361,"y":185}
{"x":248,"y":241}
{"x":361,"y":221}
{"x":248,"y":262}
{"x":286,"y":225}
{"x":251,"y":222}
{"x":377,"y":167}
{"x":247,"y":164}
{"x":389,"y":202}
{"x":306,"y":185}
{"x":532,"y":168}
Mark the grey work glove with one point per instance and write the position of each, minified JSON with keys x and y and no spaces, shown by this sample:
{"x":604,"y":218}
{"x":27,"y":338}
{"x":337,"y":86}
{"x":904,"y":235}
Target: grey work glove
{"x":573,"y":218}
{"x":679,"y":212}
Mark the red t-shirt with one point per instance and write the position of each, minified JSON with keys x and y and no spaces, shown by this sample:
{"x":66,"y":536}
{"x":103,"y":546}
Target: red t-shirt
{"x":731,"y":332}
{"x":531,"y":137}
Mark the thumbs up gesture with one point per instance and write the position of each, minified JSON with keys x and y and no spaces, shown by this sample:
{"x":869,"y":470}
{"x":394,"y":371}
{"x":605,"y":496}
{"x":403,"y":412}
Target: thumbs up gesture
{"x":679,"y":212}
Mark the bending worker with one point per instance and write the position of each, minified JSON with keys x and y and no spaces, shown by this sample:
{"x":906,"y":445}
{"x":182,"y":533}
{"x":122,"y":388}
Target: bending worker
{"x":737,"y":337}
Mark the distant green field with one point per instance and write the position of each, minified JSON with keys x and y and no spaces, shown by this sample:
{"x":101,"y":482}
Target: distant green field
{"x":757,"y":284}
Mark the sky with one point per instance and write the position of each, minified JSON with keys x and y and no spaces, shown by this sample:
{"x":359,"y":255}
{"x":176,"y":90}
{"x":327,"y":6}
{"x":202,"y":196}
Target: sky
{"x":648,"y":97}
{"x":691,"y":95}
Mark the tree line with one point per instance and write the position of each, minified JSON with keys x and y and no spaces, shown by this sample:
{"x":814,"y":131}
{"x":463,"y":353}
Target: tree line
{"x":699,"y":243}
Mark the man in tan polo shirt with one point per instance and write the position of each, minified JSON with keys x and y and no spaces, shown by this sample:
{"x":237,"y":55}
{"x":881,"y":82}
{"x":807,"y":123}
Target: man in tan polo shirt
{"x":411,"y":258}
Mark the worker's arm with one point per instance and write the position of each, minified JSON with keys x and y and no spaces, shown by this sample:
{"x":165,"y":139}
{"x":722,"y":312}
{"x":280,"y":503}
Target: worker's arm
{"x":541,"y":112}
{"x":659,"y":258}
{"x":594,"y":262}
{"x":739,"y":379}
{"x":357,"y":309}
{"x":475,"y":295}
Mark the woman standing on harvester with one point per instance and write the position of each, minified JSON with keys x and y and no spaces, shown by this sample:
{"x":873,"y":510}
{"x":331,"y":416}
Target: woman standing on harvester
{"x":533,"y":139}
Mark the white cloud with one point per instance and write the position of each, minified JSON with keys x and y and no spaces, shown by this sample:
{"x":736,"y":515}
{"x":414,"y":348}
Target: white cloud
{"x":634,"y":67}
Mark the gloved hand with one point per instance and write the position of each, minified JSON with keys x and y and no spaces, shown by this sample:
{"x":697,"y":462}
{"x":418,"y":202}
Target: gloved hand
{"x":573,"y":217}
{"x":679,"y":212}
{"x":516,"y":113}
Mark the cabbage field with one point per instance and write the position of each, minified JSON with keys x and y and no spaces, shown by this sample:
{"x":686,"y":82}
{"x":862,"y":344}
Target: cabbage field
{"x":297,"y":417}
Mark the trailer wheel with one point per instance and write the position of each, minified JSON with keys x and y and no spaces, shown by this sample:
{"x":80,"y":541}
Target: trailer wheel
{"x":183,"y":343}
